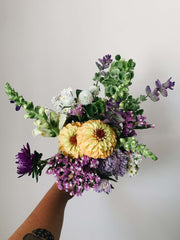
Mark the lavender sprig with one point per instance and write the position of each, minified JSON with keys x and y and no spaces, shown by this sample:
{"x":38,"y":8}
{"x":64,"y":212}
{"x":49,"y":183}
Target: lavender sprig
{"x":104,"y":62}
{"x":160,"y":88}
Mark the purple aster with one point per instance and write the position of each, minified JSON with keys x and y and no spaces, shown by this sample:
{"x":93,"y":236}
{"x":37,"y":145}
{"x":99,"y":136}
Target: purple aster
{"x":29,"y":163}
{"x":25,"y":161}
{"x":114,"y":165}
{"x":17,"y":108}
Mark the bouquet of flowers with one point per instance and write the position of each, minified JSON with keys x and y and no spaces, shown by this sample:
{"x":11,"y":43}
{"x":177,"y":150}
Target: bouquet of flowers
{"x":96,"y":136}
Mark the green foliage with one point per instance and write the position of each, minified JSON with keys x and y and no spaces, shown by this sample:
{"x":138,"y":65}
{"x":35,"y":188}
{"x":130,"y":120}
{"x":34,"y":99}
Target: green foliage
{"x":95,"y":110}
{"x":118,"y":78}
{"x":131,"y":144}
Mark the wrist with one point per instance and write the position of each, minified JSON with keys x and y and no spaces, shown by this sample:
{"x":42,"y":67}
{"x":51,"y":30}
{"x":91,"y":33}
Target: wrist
{"x":62,"y":194}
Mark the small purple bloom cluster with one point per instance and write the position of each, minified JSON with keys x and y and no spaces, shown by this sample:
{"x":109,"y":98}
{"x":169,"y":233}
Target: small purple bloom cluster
{"x":74,"y":175}
{"x":128,"y":124}
{"x":78,"y":111}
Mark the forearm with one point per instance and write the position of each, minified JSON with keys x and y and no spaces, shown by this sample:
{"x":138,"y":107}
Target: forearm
{"x":48,"y":215}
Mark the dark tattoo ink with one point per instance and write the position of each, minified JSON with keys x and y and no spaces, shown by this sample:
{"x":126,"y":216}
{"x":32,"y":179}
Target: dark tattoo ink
{"x":39,"y":234}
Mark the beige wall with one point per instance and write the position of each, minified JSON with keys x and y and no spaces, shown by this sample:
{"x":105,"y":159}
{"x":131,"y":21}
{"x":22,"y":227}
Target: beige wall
{"x":47,"y":45}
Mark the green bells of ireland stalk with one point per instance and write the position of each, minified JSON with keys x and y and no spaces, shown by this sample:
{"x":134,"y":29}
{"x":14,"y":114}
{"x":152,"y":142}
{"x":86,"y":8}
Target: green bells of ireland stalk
{"x":131,"y":144}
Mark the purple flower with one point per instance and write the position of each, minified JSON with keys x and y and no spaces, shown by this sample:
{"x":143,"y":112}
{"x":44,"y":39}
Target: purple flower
{"x":74,"y":175}
{"x":104,"y":186}
{"x":113,"y":114}
{"x":114,"y":165}
{"x":78,"y":111}
{"x":168,"y":84}
{"x":17,"y":108}
{"x":27,"y":161}
{"x":153,"y":96}
{"x":104,"y":62}
{"x":141,"y":121}
{"x":160,"y":88}
{"x":128,"y":125}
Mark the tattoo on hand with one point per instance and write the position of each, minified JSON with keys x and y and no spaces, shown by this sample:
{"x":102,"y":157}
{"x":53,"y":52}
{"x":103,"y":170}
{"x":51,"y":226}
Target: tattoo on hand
{"x":39,"y":234}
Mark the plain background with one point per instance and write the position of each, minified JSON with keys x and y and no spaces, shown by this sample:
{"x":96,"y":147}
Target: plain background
{"x":48,"y":45}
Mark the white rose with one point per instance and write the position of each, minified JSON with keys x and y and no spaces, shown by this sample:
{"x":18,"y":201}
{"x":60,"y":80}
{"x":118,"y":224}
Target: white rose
{"x":85,"y":98}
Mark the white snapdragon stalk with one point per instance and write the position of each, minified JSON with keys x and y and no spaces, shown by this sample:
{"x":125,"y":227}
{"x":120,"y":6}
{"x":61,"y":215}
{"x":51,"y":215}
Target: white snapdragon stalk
{"x":85,"y":97}
{"x":42,"y":128}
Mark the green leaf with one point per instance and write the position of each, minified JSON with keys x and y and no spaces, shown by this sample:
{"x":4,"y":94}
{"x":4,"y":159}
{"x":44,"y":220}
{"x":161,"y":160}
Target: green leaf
{"x":143,"y":98}
{"x":37,"y":109}
{"x":29,"y":106}
{"x":78,"y":91}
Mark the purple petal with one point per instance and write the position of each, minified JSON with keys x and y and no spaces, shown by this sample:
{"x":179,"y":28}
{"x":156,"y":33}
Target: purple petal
{"x":148,"y":90}
{"x":163,"y":92}
{"x":158,"y":84}
{"x":18,"y":108}
{"x":168,"y":84}
{"x":155,"y":92}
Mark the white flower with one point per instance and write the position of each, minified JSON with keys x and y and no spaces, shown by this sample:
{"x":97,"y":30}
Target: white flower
{"x":132,"y":172}
{"x":94,"y":90}
{"x":85,"y":98}
{"x":67,"y":92}
{"x":67,"y":100}
{"x":131,"y":162}
{"x":137,"y":159}
{"x":47,"y":111}
{"x":55,"y":100}
{"x":66,"y":110}
{"x":64,"y":99}
{"x":62,"y":120}
{"x":41,"y":131}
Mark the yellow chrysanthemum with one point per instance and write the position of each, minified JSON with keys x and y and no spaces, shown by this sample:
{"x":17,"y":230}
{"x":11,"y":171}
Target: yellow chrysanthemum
{"x":96,"y":139}
{"x":67,"y":140}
